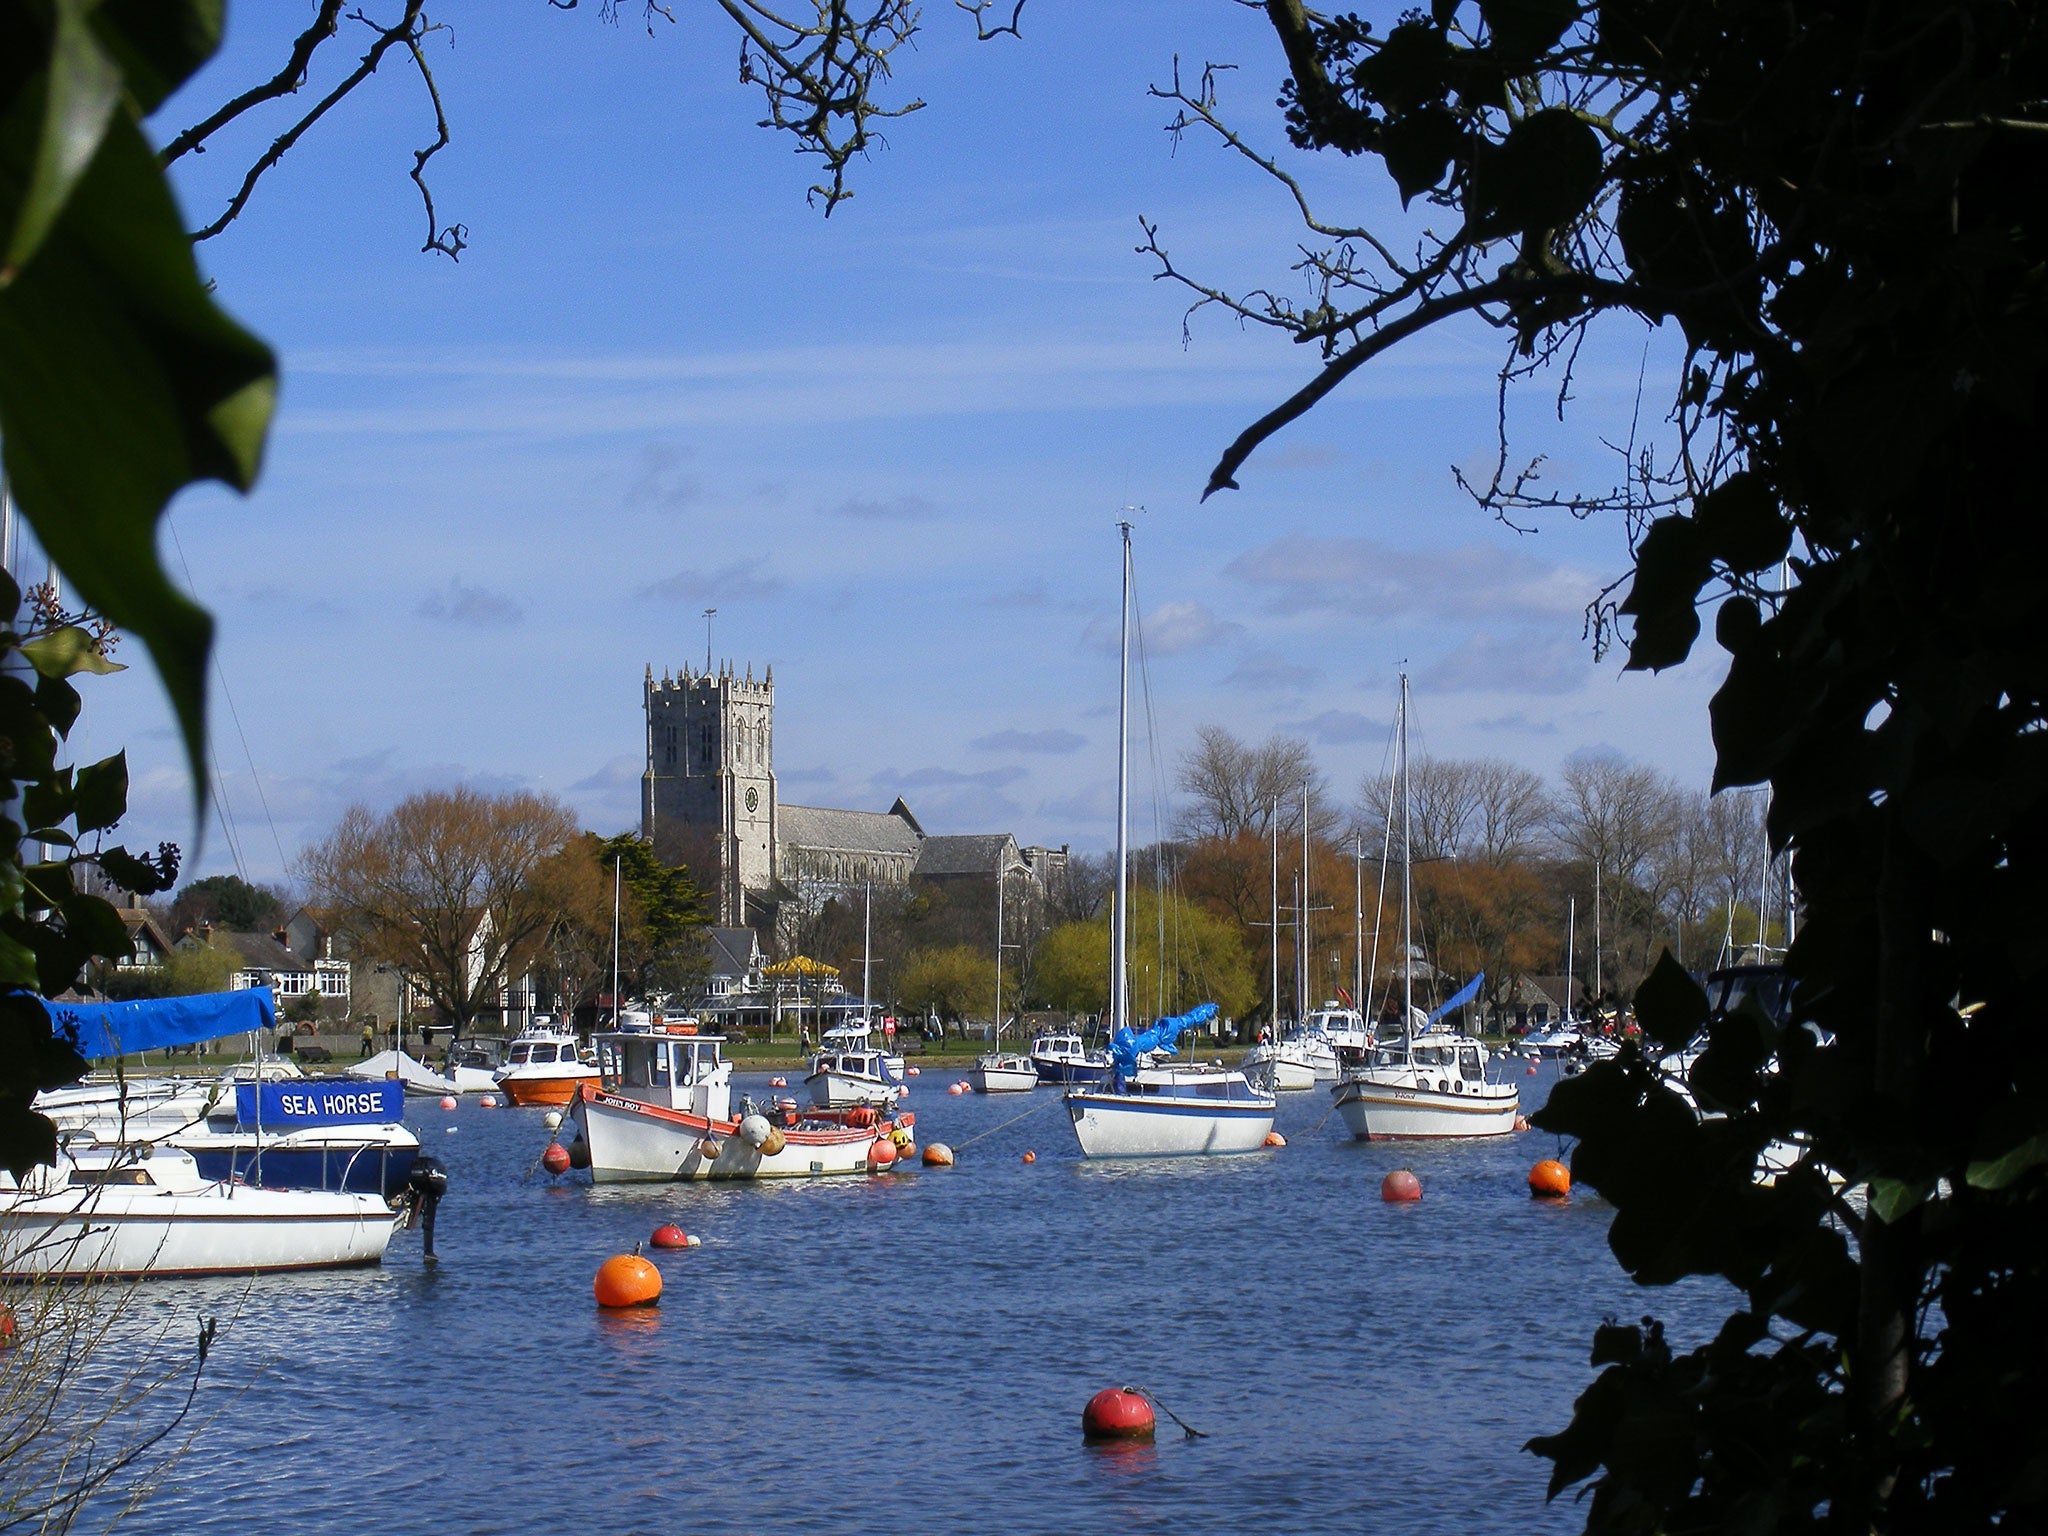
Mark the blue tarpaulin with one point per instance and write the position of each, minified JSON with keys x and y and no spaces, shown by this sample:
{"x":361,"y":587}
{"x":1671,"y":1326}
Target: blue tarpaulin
{"x":101,"y":1030}
{"x":289,"y":1105}
{"x":1125,"y":1047}
{"x":1464,"y":995}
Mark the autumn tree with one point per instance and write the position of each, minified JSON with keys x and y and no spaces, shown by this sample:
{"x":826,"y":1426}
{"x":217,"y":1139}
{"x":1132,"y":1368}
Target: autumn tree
{"x":456,"y":887}
{"x":1495,"y":918}
{"x":1180,"y":955}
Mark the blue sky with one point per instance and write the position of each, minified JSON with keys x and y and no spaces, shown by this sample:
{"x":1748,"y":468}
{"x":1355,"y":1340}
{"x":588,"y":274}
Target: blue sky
{"x":890,"y":447}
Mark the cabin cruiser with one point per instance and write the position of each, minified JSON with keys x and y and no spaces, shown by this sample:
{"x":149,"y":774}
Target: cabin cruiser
{"x":663,"y":1110}
{"x":1560,"y":1039}
{"x":543,"y":1065}
{"x":848,"y":1070}
{"x":1306,"y":1054}
{"x":1002,"y":1072}
{"x":134,"y":1212}
{"x":1432,"y":1084}
{"x":1065,"y":1059}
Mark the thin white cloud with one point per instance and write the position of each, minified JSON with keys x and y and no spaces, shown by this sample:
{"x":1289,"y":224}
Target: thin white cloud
{"x":1369,"y":579}
{"x":887,"y":509}
{"x":1522,"y":662}
{"x":1171,"y":629}
{"x":1269,"y":671}
{"x":742,"y":578}
{"x":1053,"y":742}
{"x":476,"y":607}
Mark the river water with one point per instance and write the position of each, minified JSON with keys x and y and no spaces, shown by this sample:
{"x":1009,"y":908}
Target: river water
{"x":912,"y":1352}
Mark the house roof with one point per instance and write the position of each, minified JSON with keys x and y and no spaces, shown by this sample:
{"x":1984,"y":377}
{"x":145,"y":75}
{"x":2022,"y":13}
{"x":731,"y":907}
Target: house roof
{"x":980,"y":853}
{"x":733,"y":950}
{"x":809,"y":826}
{"x":261,"y":952}
{"x":1561,"y":991}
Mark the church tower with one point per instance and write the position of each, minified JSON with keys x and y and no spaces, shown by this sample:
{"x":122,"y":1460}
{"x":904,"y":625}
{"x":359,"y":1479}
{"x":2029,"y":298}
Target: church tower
{"x":708,"y":796}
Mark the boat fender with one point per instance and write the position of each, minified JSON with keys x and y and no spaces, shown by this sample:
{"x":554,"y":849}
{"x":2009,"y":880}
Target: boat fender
{"x":901,"y":1138}
{"x":754,"y":1130}
{"x":881,"y":1154}
{"x":788,"y":1119}
{"x":775,"y":1143}
{"x":709,"y":1150}
{"x":861,"y":1116}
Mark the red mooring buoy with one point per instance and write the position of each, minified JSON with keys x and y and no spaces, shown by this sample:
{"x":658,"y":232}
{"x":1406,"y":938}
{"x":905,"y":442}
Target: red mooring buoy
{"x":669,"y":1235}
{"x":1118,"y":1413}
{"x":1550,"y":1180}
{"x":1400,"y":1187}
{"x":556,"y":1158}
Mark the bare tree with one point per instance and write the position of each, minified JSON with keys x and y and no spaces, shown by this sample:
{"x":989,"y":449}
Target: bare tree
{"x":1235,"y":787}
{"x":1443,"y":803}
{"x":1512,"y":808}
{"x":458,"y":887}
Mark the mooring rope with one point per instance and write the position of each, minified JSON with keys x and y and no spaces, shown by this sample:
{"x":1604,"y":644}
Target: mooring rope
{"x":1153,"y":1398}
{"x":970,"y":1141}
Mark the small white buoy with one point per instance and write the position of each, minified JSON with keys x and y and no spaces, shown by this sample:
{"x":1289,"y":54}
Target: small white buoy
{"x":453,"y":1129}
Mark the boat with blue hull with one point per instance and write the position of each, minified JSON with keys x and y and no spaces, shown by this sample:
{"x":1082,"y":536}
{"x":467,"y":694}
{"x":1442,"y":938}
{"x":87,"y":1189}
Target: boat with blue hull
{"x":1065,"y":1060}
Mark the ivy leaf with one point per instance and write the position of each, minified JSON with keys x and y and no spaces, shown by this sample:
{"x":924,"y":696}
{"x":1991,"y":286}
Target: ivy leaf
{"x":2003,"y":1172}
{"x":1742,"y":525}
{"x":68,"y":651}
{"x":1521,"y":29}
{"x":159,"y":44}
{"x":1419,"y":146}
{"x":1541,"y":177}
{"x":108,"y":336}
{"x":1670,"y":1005}
{"x":1671,"y":567}
{"x":101,"y":796}
{"x":1892,"y":1198}
{"x":80,"y":91}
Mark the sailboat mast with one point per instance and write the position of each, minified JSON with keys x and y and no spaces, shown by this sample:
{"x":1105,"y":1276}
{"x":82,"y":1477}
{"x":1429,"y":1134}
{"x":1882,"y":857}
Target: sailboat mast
{"x":1571,"y":923}
{"x":1596,"y":933}
{"x":1407,"y":882}
{"x":1119,"y":938}
{"x":618,"y":874}
{"x":999,"y":953}
{"x":1301,"y":942}
{"x":1358,"y":920}
{"x":867,"y":936}
{"x":1274,"y":811}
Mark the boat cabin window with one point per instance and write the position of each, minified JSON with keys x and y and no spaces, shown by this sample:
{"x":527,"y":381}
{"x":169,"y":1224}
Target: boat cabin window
{"x":1386,"y":1056}
{"x":1468,"y":1061}
{"x":518,"y":1056}
{"x":100,"y":1177}
{"x":1430,"y":1055}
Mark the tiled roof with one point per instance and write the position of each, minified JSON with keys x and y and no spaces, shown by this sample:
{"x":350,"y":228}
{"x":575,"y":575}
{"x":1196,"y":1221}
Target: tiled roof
{"x":732,"y":951}
{"x":808,"y":826}
{"x":983,"y":853}
{"x":261,"y":952}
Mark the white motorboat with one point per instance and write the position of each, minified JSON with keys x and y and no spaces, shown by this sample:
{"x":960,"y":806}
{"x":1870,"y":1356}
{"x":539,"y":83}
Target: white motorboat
{"x":664,"y":1112}
{"x":474,"y":1062}
{"x":1002,"y":1072}
{"x":1558,"y":1040}
{"x":544,"y":1065}
{"x":142,"y":1212}
{"x":1425,"y":1082}
{"x":842,"y":1078}
{"x":1066,"y":1059}
{"x":1144,"y":1109}
{"x":1283,"y":1066}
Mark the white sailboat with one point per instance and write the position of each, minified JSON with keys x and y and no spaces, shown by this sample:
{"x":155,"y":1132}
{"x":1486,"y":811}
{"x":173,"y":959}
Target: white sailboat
{"x":1147,"y":1110}
{"x":1428,"y":1082}
{"x":1001,"y":1071}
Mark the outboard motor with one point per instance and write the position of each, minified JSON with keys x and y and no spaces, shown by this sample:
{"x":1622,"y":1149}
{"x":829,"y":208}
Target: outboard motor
{"x":426,"y":1181}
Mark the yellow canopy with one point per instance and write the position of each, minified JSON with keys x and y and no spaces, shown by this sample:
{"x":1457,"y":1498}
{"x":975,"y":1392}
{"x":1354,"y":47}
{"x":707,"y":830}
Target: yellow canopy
{"x":799,"y":965}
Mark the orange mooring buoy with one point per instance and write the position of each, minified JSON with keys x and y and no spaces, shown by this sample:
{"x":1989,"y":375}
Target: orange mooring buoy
{"x":1400,"y":1187}
{"x":556,"y":1158}
{"x":881,"y":1153}
{"x":938,"y":1155}
{"x":627,"y":1280}
{"x":1275,"y":1139}
{"x":447,"y":1101}
{"x":1030,"y":1157}
{"x":1118,"y":1413}
{"x":1550,"y":1180}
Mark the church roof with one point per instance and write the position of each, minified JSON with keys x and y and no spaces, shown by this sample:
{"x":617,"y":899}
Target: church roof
{"x":808,"y":826}
{"x":733,"y":951}
{"x":973,"y":854}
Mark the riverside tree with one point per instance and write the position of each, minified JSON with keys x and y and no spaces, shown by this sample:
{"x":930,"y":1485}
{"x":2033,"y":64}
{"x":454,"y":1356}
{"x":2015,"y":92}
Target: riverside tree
{"x":1837,"y":209}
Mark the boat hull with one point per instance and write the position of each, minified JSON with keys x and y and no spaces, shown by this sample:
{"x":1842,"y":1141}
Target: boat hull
{"x":1002,"y":1079}
{"x":367,"y":1168}
{"x":1074,"y":1073}
{"x":551,"y":1091}
{"x":1129,"y":1125}
{"x":635,"y":1143}
{"x":115,"y":1235}
{"x":840,"y":1090}
{"x":1282,"y":1073}
{"x":1396,"y":1111}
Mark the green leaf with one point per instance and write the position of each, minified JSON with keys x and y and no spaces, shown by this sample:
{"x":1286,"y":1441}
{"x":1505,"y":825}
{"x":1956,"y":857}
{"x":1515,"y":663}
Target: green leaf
{"x":46,"y":802}
{"x":159,"y":44}
{"x":68,"y":651}
{"x":1669,"y":1004}
{"x":109,"y":337}
{"x":1671,"y":567}
{"x":93,"y":923}
{"x":1892,"y":1198}
{"x":1419,"y":146}
{"x":1541,"y":177}
{"x":17,"y":963}
{"x":80,"y":89}
{"x":2003,"y":1172}
{"x":101,"y":796}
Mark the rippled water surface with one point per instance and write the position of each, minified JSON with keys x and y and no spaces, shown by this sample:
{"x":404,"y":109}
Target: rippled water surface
{"x":912,"y":1352}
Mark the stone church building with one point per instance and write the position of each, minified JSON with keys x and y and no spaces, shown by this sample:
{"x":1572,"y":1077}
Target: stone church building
{"x":709,"y":799}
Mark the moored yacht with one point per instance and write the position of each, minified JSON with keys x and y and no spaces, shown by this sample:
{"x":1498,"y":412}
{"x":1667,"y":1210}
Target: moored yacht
{"x":1065,"y":1059}
{"x":1002,"y":1072}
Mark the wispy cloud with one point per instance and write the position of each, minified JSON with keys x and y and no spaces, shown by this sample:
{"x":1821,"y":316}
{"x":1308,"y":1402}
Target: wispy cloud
{"x":1522,"y":662}
{"x":661,"y":480}
{"x":1517,"y":724}
{"x":1369,"y":579}
{"x":1340,"y":727}
{"x":887,"y":509}
{"x":1052,"y":742}
{"x":742,"y":578}
{"x":477,"y":607}
{"x":1170,"y":630}
{"x":1269,"y":671}
{"x":930,"y":778}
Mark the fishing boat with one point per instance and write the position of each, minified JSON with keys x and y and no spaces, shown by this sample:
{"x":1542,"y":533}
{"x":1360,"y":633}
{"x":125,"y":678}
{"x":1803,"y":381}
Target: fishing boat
{"x":1144,"y":1109}
{"x":148,"y":1212}
{"x":543,"y":1065}
{"x":1066,"y":1059}
{"x":664,"y":1111}
{"x":1427,"y":1081}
